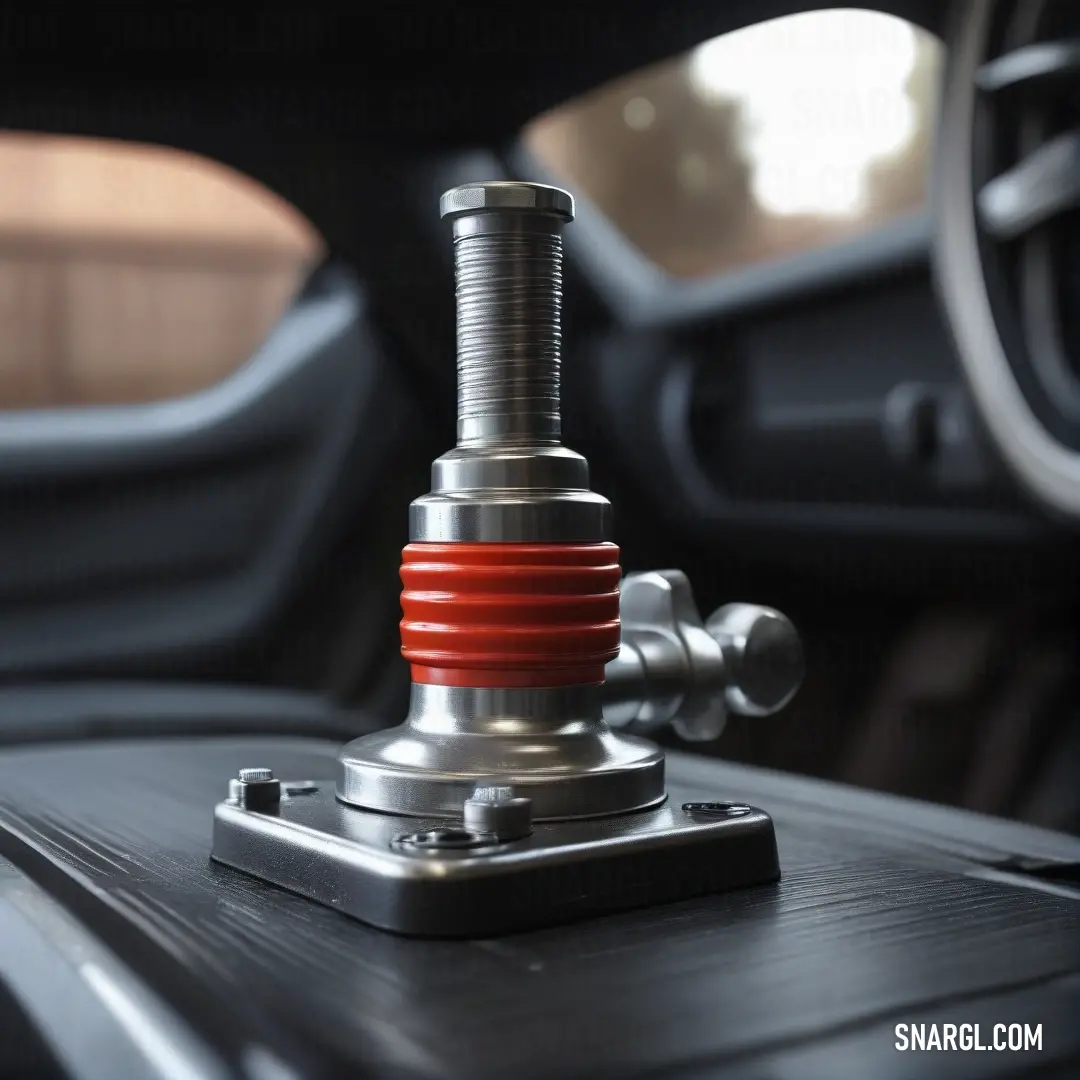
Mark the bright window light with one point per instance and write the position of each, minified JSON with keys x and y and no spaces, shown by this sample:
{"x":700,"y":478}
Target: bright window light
{"x":824,"y":96}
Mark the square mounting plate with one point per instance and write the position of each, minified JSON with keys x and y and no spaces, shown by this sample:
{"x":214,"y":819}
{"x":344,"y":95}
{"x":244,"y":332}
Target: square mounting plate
{"x":354,"y":860}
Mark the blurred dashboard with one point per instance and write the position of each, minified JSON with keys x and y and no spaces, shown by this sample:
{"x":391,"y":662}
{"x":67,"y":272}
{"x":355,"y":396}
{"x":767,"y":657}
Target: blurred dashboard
{"x":760,"y":331}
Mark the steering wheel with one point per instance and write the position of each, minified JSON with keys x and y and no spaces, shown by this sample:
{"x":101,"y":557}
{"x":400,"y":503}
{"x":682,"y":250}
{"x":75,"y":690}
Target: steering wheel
{"x":1007,"y":247}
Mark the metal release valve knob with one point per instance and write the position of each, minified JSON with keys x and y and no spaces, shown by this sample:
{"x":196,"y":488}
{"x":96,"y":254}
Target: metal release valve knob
{"x":674,"y":668}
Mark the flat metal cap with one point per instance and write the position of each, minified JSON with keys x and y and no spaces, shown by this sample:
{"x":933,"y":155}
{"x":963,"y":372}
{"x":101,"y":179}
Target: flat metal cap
{"x":506,"y":195}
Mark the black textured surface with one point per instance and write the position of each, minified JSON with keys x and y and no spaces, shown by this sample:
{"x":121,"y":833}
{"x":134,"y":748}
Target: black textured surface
{"x":887,"y":912}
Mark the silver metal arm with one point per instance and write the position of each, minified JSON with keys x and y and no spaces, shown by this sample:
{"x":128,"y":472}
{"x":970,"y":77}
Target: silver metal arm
{"x":675,"y":668}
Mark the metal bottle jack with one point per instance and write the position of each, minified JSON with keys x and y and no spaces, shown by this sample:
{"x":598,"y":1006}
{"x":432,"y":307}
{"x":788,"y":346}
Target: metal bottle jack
{"x":520,"y":791}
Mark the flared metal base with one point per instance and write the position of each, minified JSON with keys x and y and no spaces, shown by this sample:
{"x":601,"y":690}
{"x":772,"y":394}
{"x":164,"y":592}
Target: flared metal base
{"x":551,"y":745}
{"x":424,"y":878}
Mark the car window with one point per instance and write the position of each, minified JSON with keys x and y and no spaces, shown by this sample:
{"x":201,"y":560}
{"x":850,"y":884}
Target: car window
{"x":759,"y":144}
{"x":130,"y":273}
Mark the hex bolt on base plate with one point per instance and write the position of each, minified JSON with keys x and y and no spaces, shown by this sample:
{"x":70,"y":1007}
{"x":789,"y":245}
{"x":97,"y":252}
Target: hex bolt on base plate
{"x":434,"y":877}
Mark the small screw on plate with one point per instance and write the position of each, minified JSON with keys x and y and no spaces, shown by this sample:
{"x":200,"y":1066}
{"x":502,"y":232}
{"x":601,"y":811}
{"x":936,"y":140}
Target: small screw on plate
{"x":717,"y":809}
{"x":256,"y":789}
{"x":495,"y":810}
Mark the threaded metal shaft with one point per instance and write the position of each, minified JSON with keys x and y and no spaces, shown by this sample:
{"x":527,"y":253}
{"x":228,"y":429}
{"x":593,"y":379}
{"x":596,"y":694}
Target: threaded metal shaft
{"x":508,"y":263}
{"x":509,"y":301}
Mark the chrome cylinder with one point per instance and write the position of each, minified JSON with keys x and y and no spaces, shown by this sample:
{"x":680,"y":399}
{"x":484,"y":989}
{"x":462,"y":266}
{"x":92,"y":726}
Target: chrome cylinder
{"x":509,"y":301}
